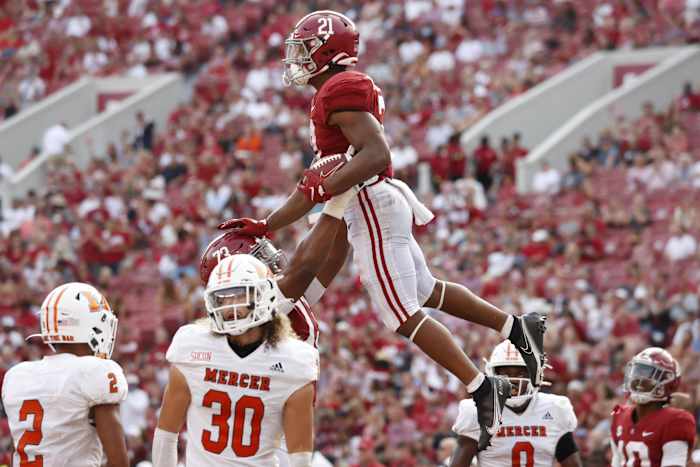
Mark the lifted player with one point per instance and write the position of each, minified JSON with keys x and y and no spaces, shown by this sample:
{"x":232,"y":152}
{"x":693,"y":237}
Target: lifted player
{"x":346,"y":118}
{"x":63,"y":410}
{"x":647,"y":432}
{"x":537,"y":428}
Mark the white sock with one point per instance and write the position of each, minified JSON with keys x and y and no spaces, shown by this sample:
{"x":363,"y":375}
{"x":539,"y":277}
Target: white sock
{"x":507,"y":327}
{"x":475,"y":383}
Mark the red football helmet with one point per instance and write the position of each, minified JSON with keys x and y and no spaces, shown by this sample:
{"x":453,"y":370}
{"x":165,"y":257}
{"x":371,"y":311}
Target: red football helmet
{"x":652,"y":375}
{"x":231,"y":243}
{"x":318,"y":40}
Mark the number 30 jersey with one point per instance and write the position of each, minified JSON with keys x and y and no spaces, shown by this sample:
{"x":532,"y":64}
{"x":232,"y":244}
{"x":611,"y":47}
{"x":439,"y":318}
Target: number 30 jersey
{"x":236,"y":406}
{"x":527,"y":439}
{"x":48,"y":406}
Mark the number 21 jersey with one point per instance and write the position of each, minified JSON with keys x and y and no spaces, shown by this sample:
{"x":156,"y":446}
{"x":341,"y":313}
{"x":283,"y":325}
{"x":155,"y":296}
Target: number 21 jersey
{"x":236,"y":406}
{"x":48,"y":406}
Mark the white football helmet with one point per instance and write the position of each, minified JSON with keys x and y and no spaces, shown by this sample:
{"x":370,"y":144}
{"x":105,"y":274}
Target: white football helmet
{"x":244,"y":285}
{"x":505,"y":354}
{"x":77,"y":313}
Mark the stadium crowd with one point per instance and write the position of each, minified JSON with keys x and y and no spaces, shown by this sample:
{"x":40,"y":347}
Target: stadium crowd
{"x":608,"y":249}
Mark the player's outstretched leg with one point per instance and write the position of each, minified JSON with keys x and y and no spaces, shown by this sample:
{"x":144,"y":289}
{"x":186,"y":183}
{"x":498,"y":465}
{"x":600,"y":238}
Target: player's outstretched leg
{"x":490,"y":393}
{"x":526,"y":332}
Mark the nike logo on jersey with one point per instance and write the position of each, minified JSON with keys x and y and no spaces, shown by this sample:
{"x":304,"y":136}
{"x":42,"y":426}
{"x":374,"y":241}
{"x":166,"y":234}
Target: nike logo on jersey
{"x":277,"y":367}
{"x":547,"y":416}
{"x":647,"y":433}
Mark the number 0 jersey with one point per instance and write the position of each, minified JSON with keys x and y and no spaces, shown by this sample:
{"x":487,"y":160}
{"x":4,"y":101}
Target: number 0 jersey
{"x":529,"y":439}
{"x":236,"y":407}
{"x":48,"y":406}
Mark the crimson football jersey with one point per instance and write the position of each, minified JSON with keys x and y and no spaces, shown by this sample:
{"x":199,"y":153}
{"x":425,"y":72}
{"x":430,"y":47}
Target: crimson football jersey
{"x":349,"y":90}
{"x":641,"y":444}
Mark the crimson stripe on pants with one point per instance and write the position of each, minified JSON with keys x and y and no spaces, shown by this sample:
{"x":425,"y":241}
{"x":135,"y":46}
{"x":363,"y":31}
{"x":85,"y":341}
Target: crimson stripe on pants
{"x":376,"y":264}
{"x":381,"y":252}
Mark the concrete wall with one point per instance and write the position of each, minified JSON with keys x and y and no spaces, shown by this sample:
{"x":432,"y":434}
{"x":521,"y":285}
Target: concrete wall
{"x":156,"y":99}
{"x":659,"y":85}
{"x":73,"y":104}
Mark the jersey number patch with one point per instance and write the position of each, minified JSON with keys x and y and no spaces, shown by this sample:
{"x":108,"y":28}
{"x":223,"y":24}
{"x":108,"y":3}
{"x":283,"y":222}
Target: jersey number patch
{"x":636,"y":454}
{"x":523,"y":454}
{"x":241,"y":447}
{"x":31,"y":437}
{"x":113,"y":389}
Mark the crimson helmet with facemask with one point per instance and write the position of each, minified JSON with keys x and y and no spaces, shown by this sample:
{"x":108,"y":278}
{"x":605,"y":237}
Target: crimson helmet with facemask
{"x":652,"y":376}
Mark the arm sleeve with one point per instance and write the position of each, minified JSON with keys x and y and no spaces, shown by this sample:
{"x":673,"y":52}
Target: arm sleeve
{"x":674,"y":453}
{"x":314,"y":292}
{"x":616,"y":455}
{"x":104,"y":382}
{"x":566,"y":446}
{"x":466,"y":423}
{"x":164,"y":451}
{"x":305,"y":367}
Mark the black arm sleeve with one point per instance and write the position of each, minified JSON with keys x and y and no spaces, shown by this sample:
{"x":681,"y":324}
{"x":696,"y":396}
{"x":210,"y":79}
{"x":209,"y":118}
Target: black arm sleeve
{"x":566,"y":446}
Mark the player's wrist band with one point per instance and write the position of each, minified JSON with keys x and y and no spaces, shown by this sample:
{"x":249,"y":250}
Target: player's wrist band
{"x":300,"y":459}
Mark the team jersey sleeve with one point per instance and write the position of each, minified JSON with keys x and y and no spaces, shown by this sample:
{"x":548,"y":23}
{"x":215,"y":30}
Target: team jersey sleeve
{"x":348,"y":92}
{"x":680,"y":428}
{"x":103,"y":382}
{"x":181,"y":346}
{"x":304,"y":366}
{"x":566,"y":416}
{"x":467,"y":423}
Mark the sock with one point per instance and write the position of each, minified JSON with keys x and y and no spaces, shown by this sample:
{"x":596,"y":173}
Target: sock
{"x":507,"y":327}
{"x":476,"y":383}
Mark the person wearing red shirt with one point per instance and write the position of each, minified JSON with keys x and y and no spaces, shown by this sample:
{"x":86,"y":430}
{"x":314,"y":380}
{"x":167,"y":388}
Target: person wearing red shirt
{"x":485,"y":158}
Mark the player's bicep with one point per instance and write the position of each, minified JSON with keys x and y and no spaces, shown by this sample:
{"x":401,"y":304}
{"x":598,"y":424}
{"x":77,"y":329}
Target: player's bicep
{"x":176,"y":401}
{"x":360,"y":129}
{"x":298,"y":420}
{"x":465,"y":452}
{"x":109,"y":429}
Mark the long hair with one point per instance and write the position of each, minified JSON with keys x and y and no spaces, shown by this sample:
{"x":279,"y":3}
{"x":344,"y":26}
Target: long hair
{"x":274,"y":331}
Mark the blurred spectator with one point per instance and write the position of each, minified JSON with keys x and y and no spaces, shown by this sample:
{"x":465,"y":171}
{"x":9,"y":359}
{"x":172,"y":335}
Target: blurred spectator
{"x":55,"y":139}
{"x":547,"y":180}
{"x":144,"y":132}
{"x":485,"y":158}
{"x":681,"y":245}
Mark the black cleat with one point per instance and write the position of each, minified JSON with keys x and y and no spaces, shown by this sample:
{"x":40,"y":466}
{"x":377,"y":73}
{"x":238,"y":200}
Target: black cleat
{"x":527,"y":336}
{"x":490,"y":399}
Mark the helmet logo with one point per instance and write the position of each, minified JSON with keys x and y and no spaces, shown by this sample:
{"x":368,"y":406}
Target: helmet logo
{"x":93,"y":304}
{"x":325,"y":26}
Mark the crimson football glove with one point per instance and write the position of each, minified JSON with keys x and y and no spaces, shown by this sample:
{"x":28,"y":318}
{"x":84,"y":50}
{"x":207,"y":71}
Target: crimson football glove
{"x":245,"y":226}
{"x":311,"y":186}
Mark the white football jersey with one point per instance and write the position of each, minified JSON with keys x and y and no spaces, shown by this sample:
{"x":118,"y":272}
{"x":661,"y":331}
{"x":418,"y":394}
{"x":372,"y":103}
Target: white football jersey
{"x":235,"y":413}
{"x":48,"y":407}
{"x":528,"y":439}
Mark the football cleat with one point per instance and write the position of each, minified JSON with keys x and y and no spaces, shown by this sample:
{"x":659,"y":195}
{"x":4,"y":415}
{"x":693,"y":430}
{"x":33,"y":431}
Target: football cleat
{"x":527,"y":336}
{"x":490,"y":399}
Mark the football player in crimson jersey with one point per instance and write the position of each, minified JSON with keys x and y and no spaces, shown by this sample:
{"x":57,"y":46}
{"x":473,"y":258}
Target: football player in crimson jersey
{"x":346,"y":118}
{"x":648,"y":432}
{"x":537,"y":428}
{"x":63,"y":410}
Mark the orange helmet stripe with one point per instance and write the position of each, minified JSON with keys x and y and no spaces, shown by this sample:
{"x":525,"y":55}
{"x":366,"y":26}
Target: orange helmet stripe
{"x":55,"y":309}
{"x":45,"y":310}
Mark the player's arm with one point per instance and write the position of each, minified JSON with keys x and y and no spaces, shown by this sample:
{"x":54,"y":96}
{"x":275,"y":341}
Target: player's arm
{"x":465,"y":452}
{"x":336,"y":257}
{"x":566,"y":451}
{"x":616,"y":460}
{"x":111,"y":434}
{"x":298,"y":425}
{"x":312,"y":252}
{"x":173,"y":411}
{"x":296,"y":207}
{"x":373,"y":156}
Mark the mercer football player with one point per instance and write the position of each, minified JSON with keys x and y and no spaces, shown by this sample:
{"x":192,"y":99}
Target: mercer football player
{"x":346,"y":122}
{"x":239,"y":378}
{"x":63,"y":410}
{"x":647,"y":432}
{"x":301,"y":317}
{"x":537,"y":428}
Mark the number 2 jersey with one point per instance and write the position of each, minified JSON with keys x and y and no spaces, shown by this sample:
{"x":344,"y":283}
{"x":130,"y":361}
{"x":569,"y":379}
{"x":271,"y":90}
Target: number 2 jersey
{"x":662,"y":438}
{"x":236,"y":406}
{"x":48,"y":406}
{"x":527,"y":439}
